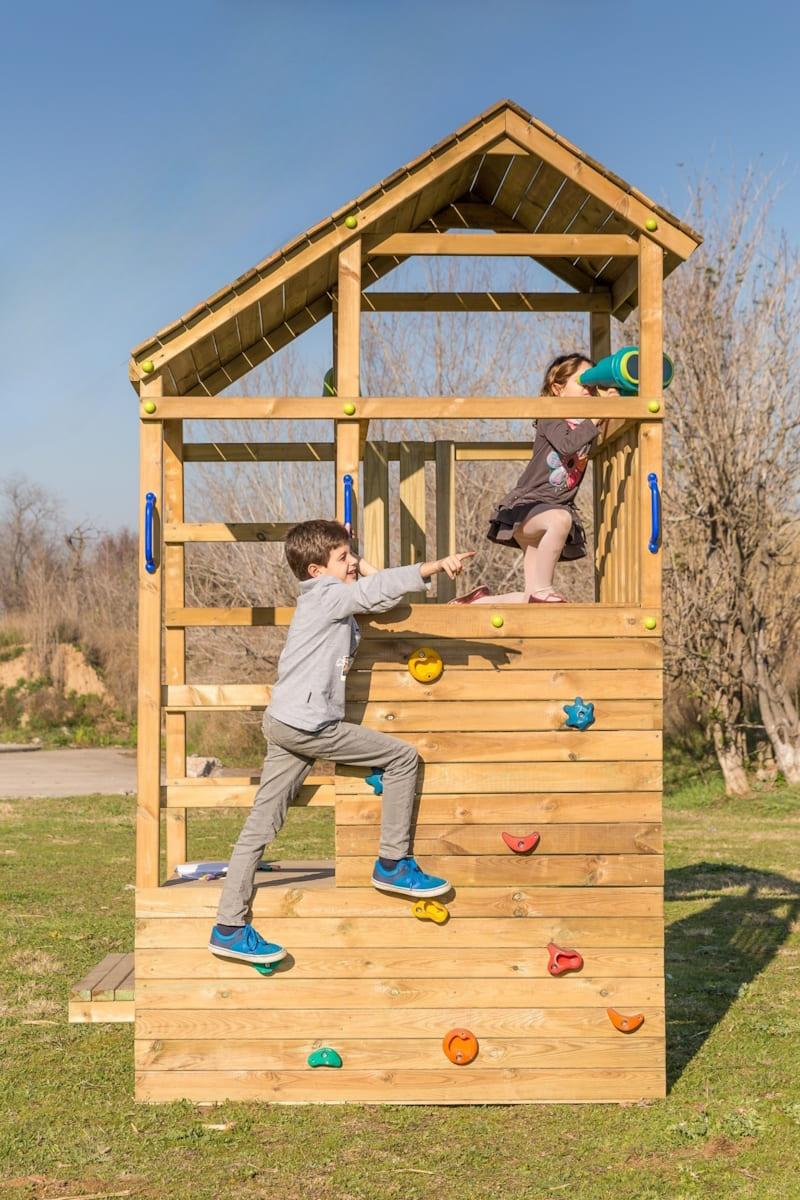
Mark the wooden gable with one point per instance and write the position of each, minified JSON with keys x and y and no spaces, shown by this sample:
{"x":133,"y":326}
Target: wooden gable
{"x":503,"y":171}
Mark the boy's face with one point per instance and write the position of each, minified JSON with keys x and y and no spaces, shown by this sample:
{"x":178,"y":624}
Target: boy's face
{"x":342,"y":564}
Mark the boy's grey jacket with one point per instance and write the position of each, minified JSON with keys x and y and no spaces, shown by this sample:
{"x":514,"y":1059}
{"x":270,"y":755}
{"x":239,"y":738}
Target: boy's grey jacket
{"x":323,"y":639}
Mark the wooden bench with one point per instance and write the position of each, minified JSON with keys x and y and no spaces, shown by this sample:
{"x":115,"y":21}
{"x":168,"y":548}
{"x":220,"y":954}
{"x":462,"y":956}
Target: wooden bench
{"x":105,"y":994}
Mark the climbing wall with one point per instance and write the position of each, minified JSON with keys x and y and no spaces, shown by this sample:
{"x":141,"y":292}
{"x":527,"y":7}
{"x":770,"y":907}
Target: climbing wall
{"x":500,"y":768}
{"x":391,"y":995}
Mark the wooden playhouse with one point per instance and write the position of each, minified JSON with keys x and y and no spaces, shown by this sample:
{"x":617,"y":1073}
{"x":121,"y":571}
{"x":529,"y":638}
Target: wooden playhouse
{"x":365,"y":977}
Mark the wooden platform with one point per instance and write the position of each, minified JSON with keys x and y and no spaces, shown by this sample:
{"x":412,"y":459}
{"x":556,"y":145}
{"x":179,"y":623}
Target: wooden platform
{"x":105,"y":994}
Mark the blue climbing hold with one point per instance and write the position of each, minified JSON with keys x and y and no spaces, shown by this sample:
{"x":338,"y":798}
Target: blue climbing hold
{"x":580,"y":714}
{"x":375,"y":781}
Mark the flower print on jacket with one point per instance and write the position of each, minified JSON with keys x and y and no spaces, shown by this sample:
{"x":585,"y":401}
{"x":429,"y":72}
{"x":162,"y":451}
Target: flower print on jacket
{"x":568,"y":471}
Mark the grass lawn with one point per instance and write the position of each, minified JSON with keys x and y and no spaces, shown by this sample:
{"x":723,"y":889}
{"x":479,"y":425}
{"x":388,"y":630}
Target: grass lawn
{"x":730,"y":1126}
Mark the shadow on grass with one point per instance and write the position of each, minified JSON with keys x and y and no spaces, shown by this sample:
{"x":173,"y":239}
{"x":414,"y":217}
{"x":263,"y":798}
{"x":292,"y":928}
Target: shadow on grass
{"x":712,"y":955}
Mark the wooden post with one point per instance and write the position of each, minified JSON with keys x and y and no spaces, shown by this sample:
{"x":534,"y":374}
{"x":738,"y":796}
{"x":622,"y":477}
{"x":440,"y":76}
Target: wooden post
{"x":174,"y":639}
{"x":651,"y":344}
{"x":445,"y":515}
{"x":599,"y":347}
{"x":348,"y":372}
{"x":376,"y":504}
{"x":148,"y":756}
{"x":412,"y":508}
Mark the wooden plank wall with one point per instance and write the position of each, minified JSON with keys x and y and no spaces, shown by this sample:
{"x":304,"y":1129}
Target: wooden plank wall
{"x":618,"y":520}
{"x":383,"y":988}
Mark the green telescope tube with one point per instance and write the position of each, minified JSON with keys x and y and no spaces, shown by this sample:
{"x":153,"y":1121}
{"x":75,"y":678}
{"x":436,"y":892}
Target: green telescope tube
{"x":621,"y":371}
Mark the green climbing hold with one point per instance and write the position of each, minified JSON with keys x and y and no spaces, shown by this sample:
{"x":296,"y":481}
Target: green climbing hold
{"x":265,"y":968}
{"x":325,"y":1057}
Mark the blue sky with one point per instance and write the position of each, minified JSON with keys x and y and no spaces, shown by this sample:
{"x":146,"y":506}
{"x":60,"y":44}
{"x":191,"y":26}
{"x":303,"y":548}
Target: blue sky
{"x":154,"y":151}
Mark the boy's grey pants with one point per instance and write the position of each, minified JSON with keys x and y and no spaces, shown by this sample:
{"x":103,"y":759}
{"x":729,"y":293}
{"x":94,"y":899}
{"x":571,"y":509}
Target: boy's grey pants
{"x":290,"y":756}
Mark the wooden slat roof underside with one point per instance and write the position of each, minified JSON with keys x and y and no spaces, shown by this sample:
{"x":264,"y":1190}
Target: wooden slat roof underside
{"x":503,"y":170}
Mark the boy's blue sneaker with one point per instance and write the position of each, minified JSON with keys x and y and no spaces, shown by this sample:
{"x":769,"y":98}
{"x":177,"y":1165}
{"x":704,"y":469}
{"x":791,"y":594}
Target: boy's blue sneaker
{"x":245,"y":944}
{"x":408,"y":879}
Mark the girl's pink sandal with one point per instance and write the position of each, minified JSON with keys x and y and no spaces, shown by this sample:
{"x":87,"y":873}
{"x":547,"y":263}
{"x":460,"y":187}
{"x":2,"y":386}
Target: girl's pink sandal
{"x":547,"y":596}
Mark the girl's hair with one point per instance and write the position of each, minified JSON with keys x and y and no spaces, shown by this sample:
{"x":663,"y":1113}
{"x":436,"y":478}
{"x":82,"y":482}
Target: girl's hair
{"x":312,"y":542}
{"x":560,"y":370}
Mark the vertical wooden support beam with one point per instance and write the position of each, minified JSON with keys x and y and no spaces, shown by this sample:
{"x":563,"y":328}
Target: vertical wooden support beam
{"x":445,"y":515}
{"x":412,"y":508}
{"x":348,"y":372}
{"x":651,"y":344}
{"x":174,"y":639}
{"x":376,"y":504}
{"x":148,"y":756}
{"x":599,"y":347}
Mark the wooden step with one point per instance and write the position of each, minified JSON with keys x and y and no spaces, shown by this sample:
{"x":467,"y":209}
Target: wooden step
{"x":105,"y":994}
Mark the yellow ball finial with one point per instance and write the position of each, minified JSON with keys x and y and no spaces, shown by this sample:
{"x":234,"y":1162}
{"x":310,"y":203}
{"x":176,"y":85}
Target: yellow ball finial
{"x":351,"y":222}
{"x":498,"y":621}
{"x":651,"y":224}
{"x":148,"y":366}
{"x":654,"y":406}
{"x":149,"y":407}
{"x":650,"y":622}
{"x":348,"y":409}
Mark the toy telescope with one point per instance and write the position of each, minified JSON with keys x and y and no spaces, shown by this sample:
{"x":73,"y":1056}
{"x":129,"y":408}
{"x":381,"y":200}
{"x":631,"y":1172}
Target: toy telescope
{"x":621,"y":371}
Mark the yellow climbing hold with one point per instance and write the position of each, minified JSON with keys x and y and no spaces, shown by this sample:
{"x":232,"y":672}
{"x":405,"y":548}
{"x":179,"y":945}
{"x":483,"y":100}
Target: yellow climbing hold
{"x":430,"y":910}
{"x":425,"y":665}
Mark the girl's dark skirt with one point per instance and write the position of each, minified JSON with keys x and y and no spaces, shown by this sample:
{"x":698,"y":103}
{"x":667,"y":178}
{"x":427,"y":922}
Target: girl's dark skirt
{"x":503,"y":520}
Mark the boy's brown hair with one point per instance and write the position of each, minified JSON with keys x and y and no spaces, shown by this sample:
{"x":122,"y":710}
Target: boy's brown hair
{"x":312,"y":542}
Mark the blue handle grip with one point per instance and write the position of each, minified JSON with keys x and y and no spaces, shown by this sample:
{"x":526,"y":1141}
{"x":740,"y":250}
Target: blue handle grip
{"x":655,"y":513}
{"x":149,"y":514}
{"x":348,"y":502}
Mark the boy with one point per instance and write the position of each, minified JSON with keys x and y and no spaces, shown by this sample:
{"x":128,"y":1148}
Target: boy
{"x":304,"y":722}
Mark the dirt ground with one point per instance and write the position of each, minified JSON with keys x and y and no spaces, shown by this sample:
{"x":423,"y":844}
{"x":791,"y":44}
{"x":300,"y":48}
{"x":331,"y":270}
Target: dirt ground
{"x":60,"y":773}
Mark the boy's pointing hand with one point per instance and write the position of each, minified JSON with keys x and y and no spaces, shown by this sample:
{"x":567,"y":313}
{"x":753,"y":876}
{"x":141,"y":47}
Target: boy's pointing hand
{"x":451,"y":564}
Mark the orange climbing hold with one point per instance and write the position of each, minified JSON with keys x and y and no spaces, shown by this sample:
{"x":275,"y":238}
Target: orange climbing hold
{"x":562,"y":961}
{"x":625,"y":1024}
{"x":521,"y":845}
{"x":460,"y":1046}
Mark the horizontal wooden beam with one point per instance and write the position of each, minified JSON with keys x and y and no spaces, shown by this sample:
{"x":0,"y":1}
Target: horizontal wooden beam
{"x":242,"y":452}
{"x":316,"y":792}
{"x":379,"y":302}
{"x":440,"y":620}
{"x":396,"y":408}
{"x":255,"y":452}
{"x":537,"y":245}
{"x":236,"y":531}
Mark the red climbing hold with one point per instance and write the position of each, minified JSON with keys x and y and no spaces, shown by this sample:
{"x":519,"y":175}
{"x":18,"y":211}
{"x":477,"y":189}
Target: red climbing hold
{"x":562,"y":961}
{"x":521,"y":845}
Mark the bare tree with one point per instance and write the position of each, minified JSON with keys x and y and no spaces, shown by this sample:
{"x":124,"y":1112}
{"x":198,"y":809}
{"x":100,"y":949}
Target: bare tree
{"x":733,"y":453}
{"x":28,"y":521}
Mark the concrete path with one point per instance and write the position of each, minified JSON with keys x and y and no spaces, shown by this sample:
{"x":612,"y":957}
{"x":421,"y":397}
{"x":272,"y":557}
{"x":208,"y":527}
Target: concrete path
{"x":68,"y":773}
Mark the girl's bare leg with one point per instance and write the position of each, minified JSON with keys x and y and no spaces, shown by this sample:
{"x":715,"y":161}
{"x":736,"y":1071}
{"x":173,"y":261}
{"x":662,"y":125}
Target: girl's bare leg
{"x":542,"y":538}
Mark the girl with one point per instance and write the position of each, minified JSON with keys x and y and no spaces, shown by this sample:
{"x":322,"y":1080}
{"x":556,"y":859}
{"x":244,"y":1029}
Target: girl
{"x":539,"y":516}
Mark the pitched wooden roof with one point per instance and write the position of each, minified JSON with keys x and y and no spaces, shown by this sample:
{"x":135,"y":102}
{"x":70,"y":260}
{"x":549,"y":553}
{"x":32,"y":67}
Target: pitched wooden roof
{"x":504,"y":170}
